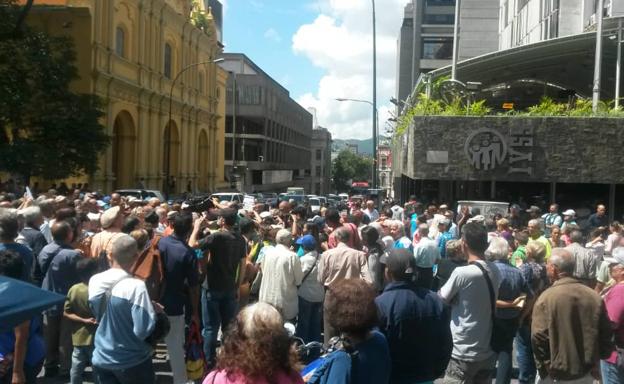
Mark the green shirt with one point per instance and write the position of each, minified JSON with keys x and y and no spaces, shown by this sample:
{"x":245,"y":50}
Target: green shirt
{"x":77,"y":303}
{"x":520,"y":252}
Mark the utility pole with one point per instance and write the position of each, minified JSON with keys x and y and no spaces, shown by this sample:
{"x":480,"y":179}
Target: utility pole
{"x":598,"y":58}
{"x":374,"y":184}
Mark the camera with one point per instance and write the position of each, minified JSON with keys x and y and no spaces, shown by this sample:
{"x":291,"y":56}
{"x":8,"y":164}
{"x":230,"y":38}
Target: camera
{"x":198,"y":204}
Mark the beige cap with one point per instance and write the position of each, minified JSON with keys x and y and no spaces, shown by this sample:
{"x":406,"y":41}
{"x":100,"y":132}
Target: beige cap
{"x":108,"y":217}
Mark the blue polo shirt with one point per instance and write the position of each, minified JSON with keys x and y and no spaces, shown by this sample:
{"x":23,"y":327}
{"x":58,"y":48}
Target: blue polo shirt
{"x":26,"y":255}
{"x":180,"y":269}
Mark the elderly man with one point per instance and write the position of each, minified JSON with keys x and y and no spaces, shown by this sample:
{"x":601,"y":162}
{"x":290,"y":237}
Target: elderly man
{"x":57,"y":261}
{"x":339,"y":263}
{"x":126,"y":318}
{"x":535,"y":234}
{"x":397,"y":231}
{"x":427,"y":255}
{"x":570,"y":330}
{"x":586,"y":260}
{"x":102,"y":243}
{"x":281,"y":275}
{"x":33,"y":219}
{"x":370,"y":210}
{"x":512,"y":289}
{"x":569,"y":218}
{"x":599,"y":218}
{"x":551,"y":219}
{"x":444,"y":226}
{"x":9,"y":229}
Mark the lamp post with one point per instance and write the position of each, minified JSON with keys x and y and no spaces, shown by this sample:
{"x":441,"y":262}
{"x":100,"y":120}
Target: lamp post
{"x":375,"y":112}
{"x":375,"y":124}
{"x":455,"y":40}
{"x":168,"y":142}
{"x":598,"y":58}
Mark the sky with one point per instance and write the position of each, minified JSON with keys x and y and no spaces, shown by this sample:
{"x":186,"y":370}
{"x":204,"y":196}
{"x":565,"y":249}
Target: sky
{"x":321,"y":50}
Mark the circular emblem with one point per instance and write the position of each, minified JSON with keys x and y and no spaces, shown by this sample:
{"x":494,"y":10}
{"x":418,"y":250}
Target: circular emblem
{"x":485,"y":149}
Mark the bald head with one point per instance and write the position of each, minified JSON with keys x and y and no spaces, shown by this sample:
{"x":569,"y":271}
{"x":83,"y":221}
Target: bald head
{"x":342,"y":235}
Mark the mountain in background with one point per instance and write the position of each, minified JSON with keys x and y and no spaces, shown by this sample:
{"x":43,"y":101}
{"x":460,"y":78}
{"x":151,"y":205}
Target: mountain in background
{"x":365,"y":147}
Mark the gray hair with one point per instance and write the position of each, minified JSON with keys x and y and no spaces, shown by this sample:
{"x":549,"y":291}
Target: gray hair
{"x":497,"y":250}
{"x":31,"y":215}
{"x":283,"y":237}
{"x":124,"y":251}
{"x":534,"y":222}
{"x":399,"y":224}
{"x":576,"y":236}
{"x":9,"y":225}
{"x":563,"y":260}
{"x":46,"y":206}
{"x":342,"y":234}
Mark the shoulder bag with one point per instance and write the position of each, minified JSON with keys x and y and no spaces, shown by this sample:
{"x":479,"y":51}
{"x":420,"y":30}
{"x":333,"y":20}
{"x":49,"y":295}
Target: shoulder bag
{"x":497,"y":340}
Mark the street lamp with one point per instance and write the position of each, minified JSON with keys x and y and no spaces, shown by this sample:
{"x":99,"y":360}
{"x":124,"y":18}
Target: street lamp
{"x":375,"y":126}
{"x":375,"y":112}
{"x":168,"y":142}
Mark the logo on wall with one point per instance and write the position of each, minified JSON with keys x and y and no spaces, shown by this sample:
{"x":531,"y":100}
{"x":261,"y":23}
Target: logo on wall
{"x":485,"y":149}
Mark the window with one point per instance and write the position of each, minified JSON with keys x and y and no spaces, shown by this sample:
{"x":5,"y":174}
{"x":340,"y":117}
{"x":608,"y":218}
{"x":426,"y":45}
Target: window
{"x":167,"y":66}
{"x":317,"y":171}
{"x":384,"y":162}
{"x":318,"y":154}
{"x":120,"y":42}
{"x":447,"y":18}
{"x":437,"y":48}
{"x":440,"y":2}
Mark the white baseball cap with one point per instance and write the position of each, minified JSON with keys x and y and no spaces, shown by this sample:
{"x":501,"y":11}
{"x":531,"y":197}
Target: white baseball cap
{"x":569,"y":212}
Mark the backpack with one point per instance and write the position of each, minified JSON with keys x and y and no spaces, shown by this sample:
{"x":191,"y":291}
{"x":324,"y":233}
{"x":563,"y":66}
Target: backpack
{"x":338,"y":349}
{"x":149,"y":268}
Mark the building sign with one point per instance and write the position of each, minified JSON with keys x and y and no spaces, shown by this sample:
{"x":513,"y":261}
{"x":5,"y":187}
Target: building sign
{"x":487,"y":149}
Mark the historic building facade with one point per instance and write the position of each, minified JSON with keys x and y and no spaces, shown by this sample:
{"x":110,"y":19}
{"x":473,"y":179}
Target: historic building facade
{"x":130,"y":53}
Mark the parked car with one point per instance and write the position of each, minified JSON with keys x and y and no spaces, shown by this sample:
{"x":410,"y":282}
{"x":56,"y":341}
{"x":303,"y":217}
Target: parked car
{"x":315,"y":203}
{"x":270,"y":199}
{"x":229,"y":196}
{"x":141,"y":194}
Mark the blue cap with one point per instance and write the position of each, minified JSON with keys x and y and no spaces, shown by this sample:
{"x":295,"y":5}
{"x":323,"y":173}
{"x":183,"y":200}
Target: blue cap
{"x":307,"y":241}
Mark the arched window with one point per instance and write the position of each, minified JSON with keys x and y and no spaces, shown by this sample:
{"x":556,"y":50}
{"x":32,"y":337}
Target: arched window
{"x":120,"y":41}
{"x":167,"y":67}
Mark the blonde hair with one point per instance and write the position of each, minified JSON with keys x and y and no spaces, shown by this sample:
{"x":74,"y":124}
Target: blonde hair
{"x":536,"y":250}
{"x":503,"y":223}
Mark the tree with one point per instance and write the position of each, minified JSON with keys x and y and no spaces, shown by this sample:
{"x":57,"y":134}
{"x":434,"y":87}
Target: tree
{"x":348,"y":166}
{"x":45,"y":129}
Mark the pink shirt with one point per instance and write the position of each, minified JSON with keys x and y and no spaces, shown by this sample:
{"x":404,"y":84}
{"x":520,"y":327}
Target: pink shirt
{"x":223,"y":377}
{"x":614,"y":301}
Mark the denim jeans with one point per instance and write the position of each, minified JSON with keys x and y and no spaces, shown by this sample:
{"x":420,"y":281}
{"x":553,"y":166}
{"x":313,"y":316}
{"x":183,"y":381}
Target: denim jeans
{"x":309,"y":320}
{"x":81,"y":357}
{"x":524,"y":355}
{"x":611,"y":374}
{"x":504,"y":366}
{"x":142,"y":373}
{"x":218,"y":310}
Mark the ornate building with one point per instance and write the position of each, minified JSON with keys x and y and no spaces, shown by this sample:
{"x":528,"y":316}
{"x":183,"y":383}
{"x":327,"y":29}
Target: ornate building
{"x":130,"y":53}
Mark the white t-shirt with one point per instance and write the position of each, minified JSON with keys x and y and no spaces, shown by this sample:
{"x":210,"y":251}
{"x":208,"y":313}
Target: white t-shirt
{"x":471,"y":310}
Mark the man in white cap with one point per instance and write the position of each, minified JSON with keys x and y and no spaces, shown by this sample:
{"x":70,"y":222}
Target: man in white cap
{"x":568,"y":218}
{"x":111,"y":221}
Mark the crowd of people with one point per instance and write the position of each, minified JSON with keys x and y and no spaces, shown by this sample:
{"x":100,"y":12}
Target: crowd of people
{"x":395,"y":293}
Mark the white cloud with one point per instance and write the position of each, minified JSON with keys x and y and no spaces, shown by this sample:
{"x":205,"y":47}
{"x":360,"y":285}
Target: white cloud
{"x":273,"y":35}
{"x":339,"y":41}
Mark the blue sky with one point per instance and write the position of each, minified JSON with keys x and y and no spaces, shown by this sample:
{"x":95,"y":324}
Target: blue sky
{"x":263,"y":30}
{"x":321,"y":50}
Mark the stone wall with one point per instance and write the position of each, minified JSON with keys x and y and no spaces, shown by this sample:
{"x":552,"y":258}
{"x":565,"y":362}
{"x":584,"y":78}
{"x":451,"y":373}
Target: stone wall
{"x":533,"y":149}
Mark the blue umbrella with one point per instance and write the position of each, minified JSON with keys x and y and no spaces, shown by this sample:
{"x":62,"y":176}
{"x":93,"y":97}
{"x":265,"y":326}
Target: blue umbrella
{"x":20,"y":301}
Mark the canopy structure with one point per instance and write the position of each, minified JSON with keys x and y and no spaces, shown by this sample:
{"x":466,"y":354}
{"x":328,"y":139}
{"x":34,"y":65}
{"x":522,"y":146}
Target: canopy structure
{"x":565,"y":62}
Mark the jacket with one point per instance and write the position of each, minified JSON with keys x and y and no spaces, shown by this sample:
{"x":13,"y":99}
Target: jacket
{"x":340,"y":263}
{"x":570,"y":331}
{"x":416,"y":324}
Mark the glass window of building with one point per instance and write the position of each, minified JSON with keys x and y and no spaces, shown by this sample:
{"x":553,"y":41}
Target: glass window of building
{"x":441,"y":2}
{"x":167,"y":66}
{"x":318,"y":171}
{"x":444,"y":18}
{"x":384,"y":162}
{"x":437,"y":48}
{"x":318,"y":154}
{"x":120,"y":42}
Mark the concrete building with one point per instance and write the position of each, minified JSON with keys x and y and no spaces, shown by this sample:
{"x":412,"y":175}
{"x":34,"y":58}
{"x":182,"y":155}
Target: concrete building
{"x":529,"y":21}
{"x":272,"y":134}
{"x":425,"y":39}
{"x":321,"y":146}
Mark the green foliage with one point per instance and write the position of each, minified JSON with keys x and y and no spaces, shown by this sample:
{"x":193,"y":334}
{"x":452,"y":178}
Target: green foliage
{"x":45,"y":129}
{"x":348,"y":166}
